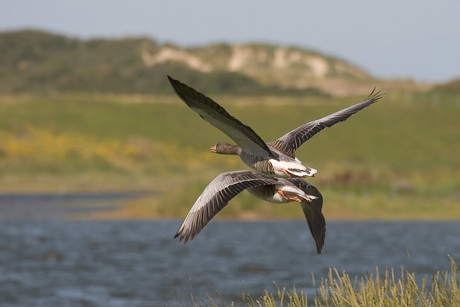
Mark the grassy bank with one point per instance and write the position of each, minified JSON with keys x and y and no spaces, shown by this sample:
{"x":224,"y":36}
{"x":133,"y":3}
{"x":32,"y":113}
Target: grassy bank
{"x":396,"y":159}
{"x":381,"y":289}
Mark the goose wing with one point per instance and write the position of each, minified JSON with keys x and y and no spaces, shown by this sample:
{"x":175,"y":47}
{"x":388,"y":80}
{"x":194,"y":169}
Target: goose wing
{"x":216,"y":196}
{"x":312,"y":211}
{"x":291,"y":141}
{"x":214,"y":114}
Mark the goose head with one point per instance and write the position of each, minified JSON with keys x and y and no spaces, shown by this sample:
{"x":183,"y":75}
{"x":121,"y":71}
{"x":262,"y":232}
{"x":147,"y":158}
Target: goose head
{"x":224,"y":148}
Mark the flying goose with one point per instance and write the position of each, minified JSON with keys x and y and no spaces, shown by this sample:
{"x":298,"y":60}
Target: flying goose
{"x":279,"y":190}
{"x":275,"y":158}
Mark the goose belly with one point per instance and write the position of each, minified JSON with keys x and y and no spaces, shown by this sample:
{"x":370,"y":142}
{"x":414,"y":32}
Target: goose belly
{"x":267,"y":193}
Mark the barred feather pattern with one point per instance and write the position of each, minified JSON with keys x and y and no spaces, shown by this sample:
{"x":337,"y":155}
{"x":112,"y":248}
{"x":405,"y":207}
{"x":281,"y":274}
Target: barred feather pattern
{"x":216,"y":196}
{"x":227,"y":185}
{"x":217,"y":116}
{"x":291,"y":141}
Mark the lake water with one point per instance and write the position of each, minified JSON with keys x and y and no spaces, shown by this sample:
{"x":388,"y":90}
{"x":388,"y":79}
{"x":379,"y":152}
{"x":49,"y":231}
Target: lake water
{"x":49,"y":261}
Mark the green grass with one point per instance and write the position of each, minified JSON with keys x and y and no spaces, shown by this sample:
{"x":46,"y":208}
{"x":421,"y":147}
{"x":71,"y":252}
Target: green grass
{"x":396,"y":159}
{"x":341,"y":289}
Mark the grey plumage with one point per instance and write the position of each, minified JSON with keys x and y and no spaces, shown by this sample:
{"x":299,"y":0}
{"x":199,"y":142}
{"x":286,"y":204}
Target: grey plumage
{"x":213,"y":113}
{"x":227,"y":185}
{"x":254,"y":151}
{"x":291,"y":141}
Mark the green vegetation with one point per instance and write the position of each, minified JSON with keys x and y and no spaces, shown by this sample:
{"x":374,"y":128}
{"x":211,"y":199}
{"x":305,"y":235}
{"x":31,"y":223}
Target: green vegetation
{"x":338,"y":289}
{"x":397,"y":159}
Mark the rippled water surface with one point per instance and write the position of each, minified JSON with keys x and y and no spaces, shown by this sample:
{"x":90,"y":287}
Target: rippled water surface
{"x":51,"y":262}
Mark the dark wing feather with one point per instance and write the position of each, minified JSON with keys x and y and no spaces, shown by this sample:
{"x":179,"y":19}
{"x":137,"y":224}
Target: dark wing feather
{"x":312,"y":211}
{"x":213,"y":113}
{"x":290,"y":142}
{"x":215,"y":197}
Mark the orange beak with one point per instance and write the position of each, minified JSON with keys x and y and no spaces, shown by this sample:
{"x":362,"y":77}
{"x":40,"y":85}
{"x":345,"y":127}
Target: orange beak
{"x":213,"y":149}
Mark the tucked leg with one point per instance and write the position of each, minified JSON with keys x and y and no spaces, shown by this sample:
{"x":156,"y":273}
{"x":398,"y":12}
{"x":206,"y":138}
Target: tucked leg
{"x":289,"y":196}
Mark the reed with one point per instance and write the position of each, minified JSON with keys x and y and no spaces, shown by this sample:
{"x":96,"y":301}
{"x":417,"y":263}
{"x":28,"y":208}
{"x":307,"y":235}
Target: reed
{"x":340,"y":289}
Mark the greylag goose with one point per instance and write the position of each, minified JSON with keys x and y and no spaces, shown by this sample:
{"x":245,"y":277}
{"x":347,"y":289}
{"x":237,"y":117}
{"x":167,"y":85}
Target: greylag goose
{"x":275,"y":158}
{"x":279,"y":190}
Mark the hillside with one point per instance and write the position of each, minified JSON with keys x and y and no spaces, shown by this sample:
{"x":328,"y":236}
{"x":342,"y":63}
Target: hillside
{"x":452,"y":86}
{"x":37,"y":62}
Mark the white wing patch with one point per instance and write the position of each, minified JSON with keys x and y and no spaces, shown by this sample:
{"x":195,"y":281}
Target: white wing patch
{"x":295,"y":168}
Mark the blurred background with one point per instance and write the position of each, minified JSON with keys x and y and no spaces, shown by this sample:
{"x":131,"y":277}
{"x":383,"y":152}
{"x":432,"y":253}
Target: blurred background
{"x":100,"y":161}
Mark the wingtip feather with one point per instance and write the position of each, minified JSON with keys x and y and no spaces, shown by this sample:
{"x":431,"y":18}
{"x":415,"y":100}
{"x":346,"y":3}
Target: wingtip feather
{"x":375,"y":95}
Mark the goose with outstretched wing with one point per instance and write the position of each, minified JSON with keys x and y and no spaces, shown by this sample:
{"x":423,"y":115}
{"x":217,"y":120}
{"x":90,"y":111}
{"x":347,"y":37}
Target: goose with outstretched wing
{"x":274,"y":158}
{"x":279,"y":190}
